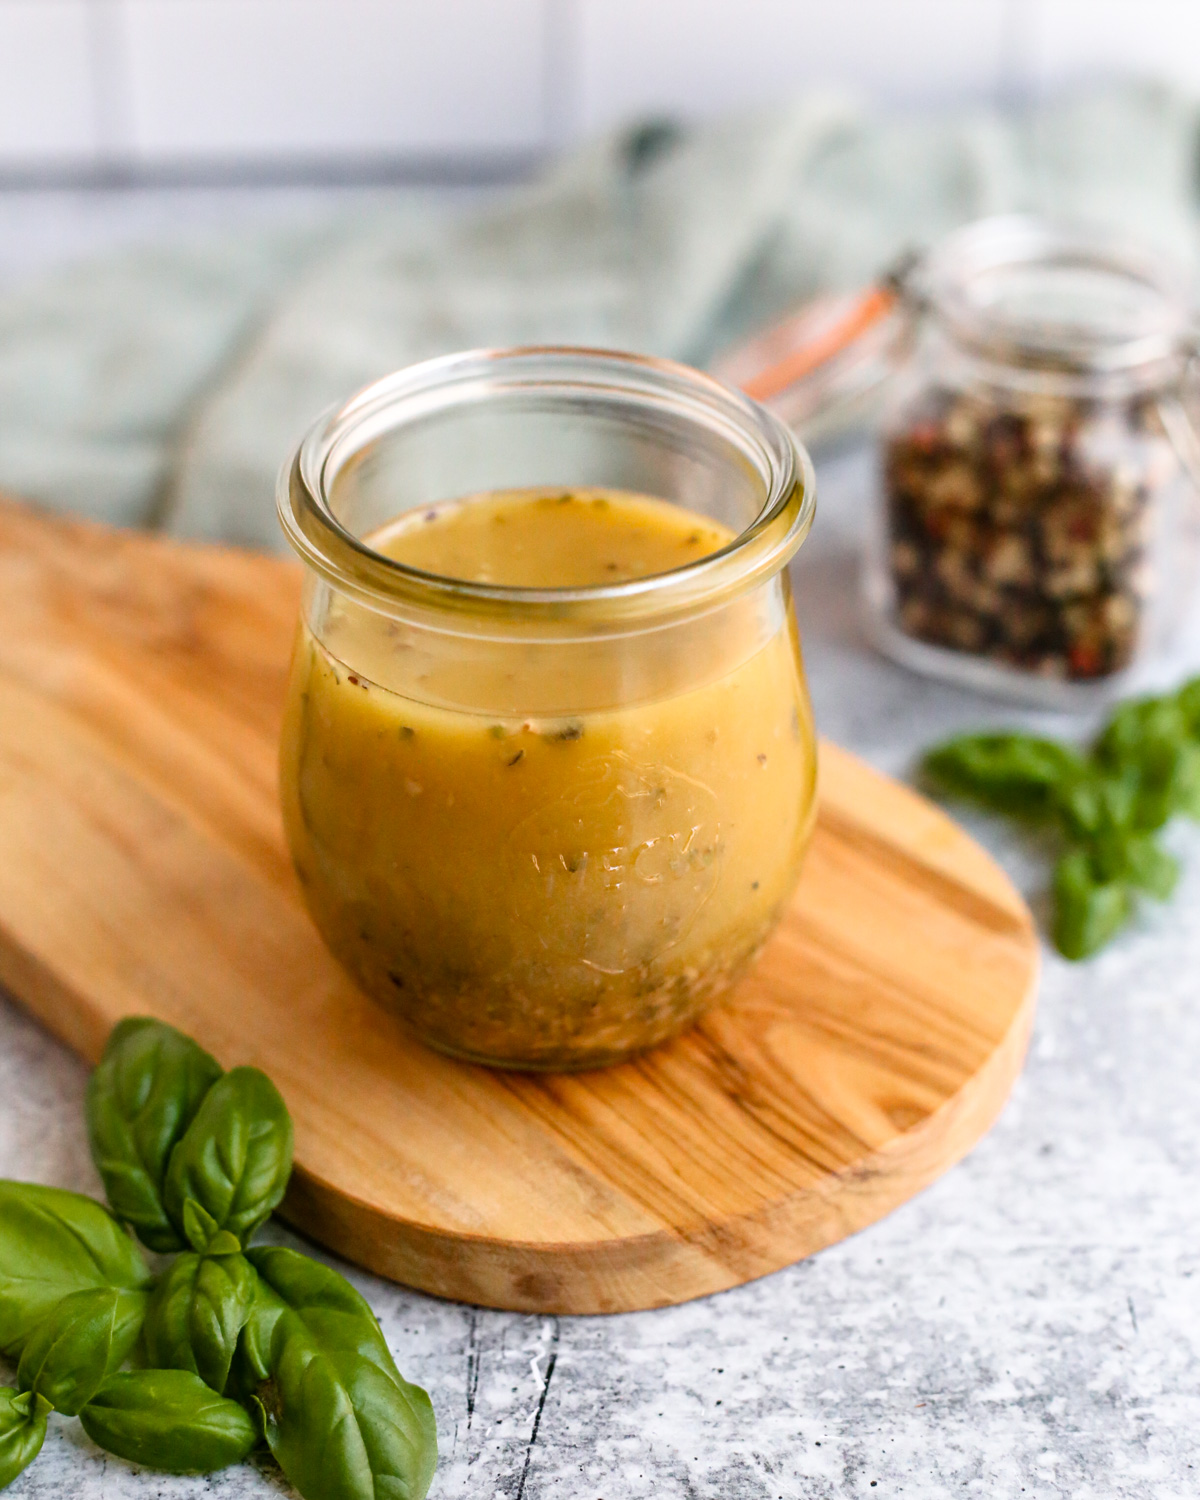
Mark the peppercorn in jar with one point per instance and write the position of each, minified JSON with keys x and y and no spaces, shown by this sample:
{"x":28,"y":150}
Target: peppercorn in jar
{"x":1019,"y":535}
{"x":1037,"y":529}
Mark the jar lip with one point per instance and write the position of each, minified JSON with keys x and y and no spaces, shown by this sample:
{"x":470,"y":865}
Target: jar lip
{"x":1104,"y":305}
{"x":763,"y":548}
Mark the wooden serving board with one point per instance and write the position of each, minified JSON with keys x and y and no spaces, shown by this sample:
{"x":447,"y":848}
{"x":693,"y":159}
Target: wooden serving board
{"x":143,"y":870}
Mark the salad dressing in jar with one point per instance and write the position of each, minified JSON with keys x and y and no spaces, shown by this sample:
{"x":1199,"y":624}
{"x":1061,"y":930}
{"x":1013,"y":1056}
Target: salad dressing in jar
{"x":548,"y":761}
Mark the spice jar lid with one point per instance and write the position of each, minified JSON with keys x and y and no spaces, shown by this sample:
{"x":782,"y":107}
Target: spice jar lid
{"x":1029,"y":292}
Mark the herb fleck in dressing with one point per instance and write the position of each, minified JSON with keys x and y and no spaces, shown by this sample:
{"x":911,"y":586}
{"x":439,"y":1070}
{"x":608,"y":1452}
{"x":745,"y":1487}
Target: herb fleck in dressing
{"x":567,"y":887}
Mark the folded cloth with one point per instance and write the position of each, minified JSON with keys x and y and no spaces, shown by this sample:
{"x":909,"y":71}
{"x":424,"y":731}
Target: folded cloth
{"x":163,"y":387}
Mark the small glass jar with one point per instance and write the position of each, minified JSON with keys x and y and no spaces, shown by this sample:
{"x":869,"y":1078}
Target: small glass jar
{"x":1037,"y":533}
{"x":548,"y":827}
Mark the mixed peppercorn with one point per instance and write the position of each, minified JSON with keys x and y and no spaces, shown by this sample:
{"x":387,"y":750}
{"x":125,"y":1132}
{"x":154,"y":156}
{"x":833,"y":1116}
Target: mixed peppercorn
{"x":1020,"y":531}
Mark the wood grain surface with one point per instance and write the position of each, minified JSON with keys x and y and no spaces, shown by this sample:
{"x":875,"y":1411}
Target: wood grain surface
{"x":143,"y":870}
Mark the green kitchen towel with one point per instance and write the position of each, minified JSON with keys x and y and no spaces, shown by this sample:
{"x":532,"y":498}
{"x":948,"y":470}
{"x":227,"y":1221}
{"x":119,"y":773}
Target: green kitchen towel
{"x":163,"y":387}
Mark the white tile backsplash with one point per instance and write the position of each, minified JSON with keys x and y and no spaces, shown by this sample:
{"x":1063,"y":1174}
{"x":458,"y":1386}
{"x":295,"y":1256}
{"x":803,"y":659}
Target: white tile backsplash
{"x":214,"y":78}
{"x":47,"y":106}
{"x":698,"y":57}
{"x":1076,"y":39}
{"x":178,"y":81}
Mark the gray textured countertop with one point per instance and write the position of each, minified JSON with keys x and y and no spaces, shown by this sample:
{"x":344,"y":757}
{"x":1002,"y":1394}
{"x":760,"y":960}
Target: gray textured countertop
{"x":1028,"y":1326}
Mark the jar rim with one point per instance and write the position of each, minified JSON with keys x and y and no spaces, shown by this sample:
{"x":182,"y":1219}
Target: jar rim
{"x":981,"y":284}
{"x":759,"y":551}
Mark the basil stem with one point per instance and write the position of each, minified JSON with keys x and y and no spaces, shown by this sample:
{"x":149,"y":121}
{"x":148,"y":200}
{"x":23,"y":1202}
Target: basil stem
{"x":140,"y":1101}
{"x":168,"y":1420}
{"x":233,"y":1161}
{"x":22,"y":1431}
{"x":337,"y":1414}
{"x":53,"y":1243}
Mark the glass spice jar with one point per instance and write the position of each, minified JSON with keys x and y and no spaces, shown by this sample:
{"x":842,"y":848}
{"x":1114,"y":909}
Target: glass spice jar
{"x":1037,"y":531}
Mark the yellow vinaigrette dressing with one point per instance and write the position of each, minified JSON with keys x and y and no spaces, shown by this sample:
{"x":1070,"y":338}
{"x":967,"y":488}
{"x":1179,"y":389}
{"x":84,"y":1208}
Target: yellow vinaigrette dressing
{"x":565,"y":882}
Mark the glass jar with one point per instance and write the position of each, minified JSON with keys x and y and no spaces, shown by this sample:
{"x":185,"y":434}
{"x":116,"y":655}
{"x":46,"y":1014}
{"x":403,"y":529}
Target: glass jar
{"x":547,"y":827}
{"x":1037,"y":532}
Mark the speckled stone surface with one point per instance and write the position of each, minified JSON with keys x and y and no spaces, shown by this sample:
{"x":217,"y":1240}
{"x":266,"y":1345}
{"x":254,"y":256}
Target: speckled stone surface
{"x":1029,"y":1326}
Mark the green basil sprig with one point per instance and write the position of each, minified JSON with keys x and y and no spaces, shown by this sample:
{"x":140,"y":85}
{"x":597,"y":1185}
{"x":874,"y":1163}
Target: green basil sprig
{"x":197,"y":1313}
{"x":169,"y":1420}
{"x":53,"y":1243}
{"x":239,"y":1346}
{"x":337,"y":1414}
{"x":1104,"y":806}
{"x":87,"y":1336}
{"x":231,"y":1167}
{"x":140,"y":1101}
{"x":22,"y":1431}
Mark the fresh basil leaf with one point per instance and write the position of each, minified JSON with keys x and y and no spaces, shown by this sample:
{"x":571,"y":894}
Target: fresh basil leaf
{"x":169,"y":1420}
{"x":252,"y":1360}
{"x":1185,"y":790}
{"x":1098,"y":806}
{"x":223,"y":1243}
{"x":337,"y":1414}
{"x":235,"y":1158}
{"x":22,"y":1431}
{"x":1151,"y":740}
{"x":1088,"y":911}
{"x":1149,"y":867}
{"x":1188,"y":698}
{"x":199,"y":1226}
{"x":53,"y":1243}
{"x":140,"y":1101}
{"x":1138,"y":728}
{"x":1012,"y":773}
{"x":87,"y":1336}
{"x":197,"y":1312}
